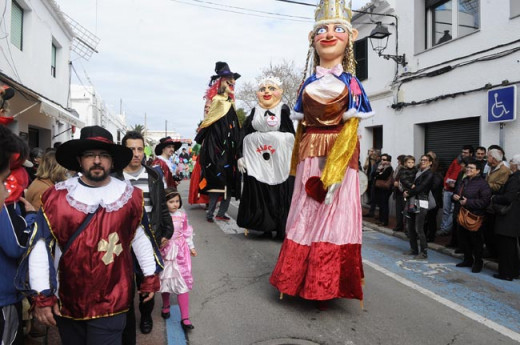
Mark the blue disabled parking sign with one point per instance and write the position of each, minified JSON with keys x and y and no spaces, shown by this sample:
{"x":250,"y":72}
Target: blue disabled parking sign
{"x":502,"y":104}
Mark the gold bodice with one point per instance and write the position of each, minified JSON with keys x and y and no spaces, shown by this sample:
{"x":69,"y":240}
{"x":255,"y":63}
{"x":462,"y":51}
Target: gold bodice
{"x":322,"y":123}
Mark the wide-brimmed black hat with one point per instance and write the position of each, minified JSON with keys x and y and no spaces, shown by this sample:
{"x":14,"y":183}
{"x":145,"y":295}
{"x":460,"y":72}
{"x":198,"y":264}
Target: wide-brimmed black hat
{"x":6,"y":93}
{"x":222,"y":70}
{"x":163,"y":142}
{"x":92,"y":138}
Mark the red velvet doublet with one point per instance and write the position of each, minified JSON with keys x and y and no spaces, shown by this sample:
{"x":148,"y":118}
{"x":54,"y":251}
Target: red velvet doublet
{"x":168,"y":176}
{"x":88,"y":286}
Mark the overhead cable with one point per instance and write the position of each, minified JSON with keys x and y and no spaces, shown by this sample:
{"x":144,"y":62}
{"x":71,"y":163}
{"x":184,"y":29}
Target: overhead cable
{"x":267,"y":14}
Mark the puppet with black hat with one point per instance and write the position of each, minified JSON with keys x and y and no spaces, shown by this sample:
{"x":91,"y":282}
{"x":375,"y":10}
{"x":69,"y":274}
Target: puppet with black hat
{"x":96,"y":221}
{"x":6,"y":93}
{"x":219,"y":135}
{"x":163,"y":152}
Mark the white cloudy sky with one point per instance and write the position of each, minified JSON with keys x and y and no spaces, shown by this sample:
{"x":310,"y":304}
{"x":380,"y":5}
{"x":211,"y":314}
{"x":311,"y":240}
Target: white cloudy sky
{"x":158,"y":55}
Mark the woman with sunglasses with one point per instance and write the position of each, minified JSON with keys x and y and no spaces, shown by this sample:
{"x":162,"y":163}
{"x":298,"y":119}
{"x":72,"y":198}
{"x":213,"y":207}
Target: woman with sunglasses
{"x":422,"y":187}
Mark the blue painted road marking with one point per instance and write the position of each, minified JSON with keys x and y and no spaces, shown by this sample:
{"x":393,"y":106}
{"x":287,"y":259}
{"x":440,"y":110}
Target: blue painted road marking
{"x":480,"y":293}
{"x":174,"y":332}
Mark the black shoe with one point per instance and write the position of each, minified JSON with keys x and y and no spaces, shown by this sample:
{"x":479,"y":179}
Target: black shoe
{"x":210,"y":220}
{"x":280,"y":235}
{"x":477,"y":267}
{"x":410,"y":252}
{"x":185,"y":326}
{"x":369,"y":215}
{"x":146,"y":325}
{"x":464,"y":264}
{"x":165,"y":315}
{"x":267,"y":234}
{"x":397,"y":229}
{"x":458,"y":251}
{"x":224,"y":218}
{"x":501,"y":277}
{"x":421,"y":256}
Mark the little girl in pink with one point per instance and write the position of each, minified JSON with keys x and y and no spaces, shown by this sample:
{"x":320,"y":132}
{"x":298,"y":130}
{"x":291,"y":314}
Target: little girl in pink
{"x":176,"y":277}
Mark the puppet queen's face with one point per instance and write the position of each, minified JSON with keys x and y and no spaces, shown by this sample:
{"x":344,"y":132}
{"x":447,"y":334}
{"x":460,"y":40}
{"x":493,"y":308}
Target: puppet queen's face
{"x":269,"y":96}
{"x":330,"y":42}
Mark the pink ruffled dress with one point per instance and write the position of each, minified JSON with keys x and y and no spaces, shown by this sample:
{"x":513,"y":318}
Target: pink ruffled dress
{"x":176,"y":277}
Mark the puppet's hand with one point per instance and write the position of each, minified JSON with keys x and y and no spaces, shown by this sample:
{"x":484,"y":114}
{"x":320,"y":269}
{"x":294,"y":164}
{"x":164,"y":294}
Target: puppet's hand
{"x":330,"y":193}
{"x":296,"y":116}
{"x":241,"y":164}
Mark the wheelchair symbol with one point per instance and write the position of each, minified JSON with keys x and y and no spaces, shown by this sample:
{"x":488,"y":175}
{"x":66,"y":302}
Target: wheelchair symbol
{"x":498,"y":109}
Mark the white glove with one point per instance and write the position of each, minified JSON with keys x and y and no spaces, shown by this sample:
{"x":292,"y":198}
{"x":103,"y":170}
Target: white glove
{"x":330,"y":193}
{"x":296,"y":116}
{"x":241,"y":164}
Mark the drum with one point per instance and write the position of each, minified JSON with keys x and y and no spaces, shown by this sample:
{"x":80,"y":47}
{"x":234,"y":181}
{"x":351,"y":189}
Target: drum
{"x":363,"y":182}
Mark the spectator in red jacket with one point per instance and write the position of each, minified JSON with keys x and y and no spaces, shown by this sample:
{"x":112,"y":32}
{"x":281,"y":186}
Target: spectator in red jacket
{"x":449,"y":185}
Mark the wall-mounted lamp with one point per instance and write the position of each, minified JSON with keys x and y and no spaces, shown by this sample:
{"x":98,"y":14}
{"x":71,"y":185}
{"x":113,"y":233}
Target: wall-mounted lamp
{"x":379,"y":41}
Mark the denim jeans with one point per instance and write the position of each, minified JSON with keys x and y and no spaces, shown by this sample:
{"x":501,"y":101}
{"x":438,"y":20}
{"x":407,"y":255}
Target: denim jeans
{"x":447,"y":211}
{"x":224,"y":204}
{"x":416,"y":230}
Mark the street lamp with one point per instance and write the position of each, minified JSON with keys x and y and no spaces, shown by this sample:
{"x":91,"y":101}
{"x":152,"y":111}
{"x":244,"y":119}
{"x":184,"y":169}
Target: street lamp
{"x":379,"y":40}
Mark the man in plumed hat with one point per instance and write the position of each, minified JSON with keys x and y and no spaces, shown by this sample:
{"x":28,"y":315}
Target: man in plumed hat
{"x":164,"y":151}
{"x":220,"y":139}
{"x":85,"y":230}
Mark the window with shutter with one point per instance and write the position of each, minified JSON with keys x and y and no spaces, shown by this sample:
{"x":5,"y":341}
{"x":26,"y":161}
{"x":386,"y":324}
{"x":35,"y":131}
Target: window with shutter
{"x":360,"y":54}
{"x":17,"y":25}
{"x":515,"y":8}
{"x":53,"y":60}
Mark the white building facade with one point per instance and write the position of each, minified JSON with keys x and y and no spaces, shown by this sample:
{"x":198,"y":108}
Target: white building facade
{"x":35,"y":63}
{"x":92,"y":111}
{"x":455,"y":51}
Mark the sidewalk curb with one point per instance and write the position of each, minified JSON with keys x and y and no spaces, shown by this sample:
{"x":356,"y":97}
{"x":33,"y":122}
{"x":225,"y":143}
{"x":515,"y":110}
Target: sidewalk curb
{"x":433,"y":246}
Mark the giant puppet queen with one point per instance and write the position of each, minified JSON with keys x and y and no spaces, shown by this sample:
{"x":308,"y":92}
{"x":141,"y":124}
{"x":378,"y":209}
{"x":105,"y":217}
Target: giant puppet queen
{"x":320,"y":258}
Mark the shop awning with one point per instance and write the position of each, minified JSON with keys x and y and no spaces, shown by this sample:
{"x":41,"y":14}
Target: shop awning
{"x":59,"y":113}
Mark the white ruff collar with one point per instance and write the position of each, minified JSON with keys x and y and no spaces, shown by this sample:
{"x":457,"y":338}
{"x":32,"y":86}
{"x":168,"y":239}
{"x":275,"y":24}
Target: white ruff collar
{"x":85,"y":199}
{"x":168,"y":163}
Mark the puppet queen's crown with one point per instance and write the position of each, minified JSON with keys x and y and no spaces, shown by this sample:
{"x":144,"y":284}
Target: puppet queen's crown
{"x":333,"y":11}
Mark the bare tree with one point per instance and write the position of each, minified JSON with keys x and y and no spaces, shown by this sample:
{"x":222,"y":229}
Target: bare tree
{"x":289,"y":75}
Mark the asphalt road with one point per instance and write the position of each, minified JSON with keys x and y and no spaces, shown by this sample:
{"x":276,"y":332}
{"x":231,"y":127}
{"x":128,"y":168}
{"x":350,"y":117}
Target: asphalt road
{"x":406,"y":301}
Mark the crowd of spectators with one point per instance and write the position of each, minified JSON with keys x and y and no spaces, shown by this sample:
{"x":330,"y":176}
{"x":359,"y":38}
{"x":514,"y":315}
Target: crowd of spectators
{"x":476,"y":181}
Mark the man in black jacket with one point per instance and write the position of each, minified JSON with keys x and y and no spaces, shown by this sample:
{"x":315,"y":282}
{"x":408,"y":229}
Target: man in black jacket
{"x":150,"y":181}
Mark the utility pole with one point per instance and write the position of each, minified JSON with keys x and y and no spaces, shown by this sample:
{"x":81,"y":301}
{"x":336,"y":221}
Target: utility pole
{"x":145,"y":126}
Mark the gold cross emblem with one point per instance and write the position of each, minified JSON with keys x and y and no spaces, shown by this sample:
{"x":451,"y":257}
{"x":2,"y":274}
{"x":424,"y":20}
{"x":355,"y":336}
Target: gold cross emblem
{"x":111,"y":247}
